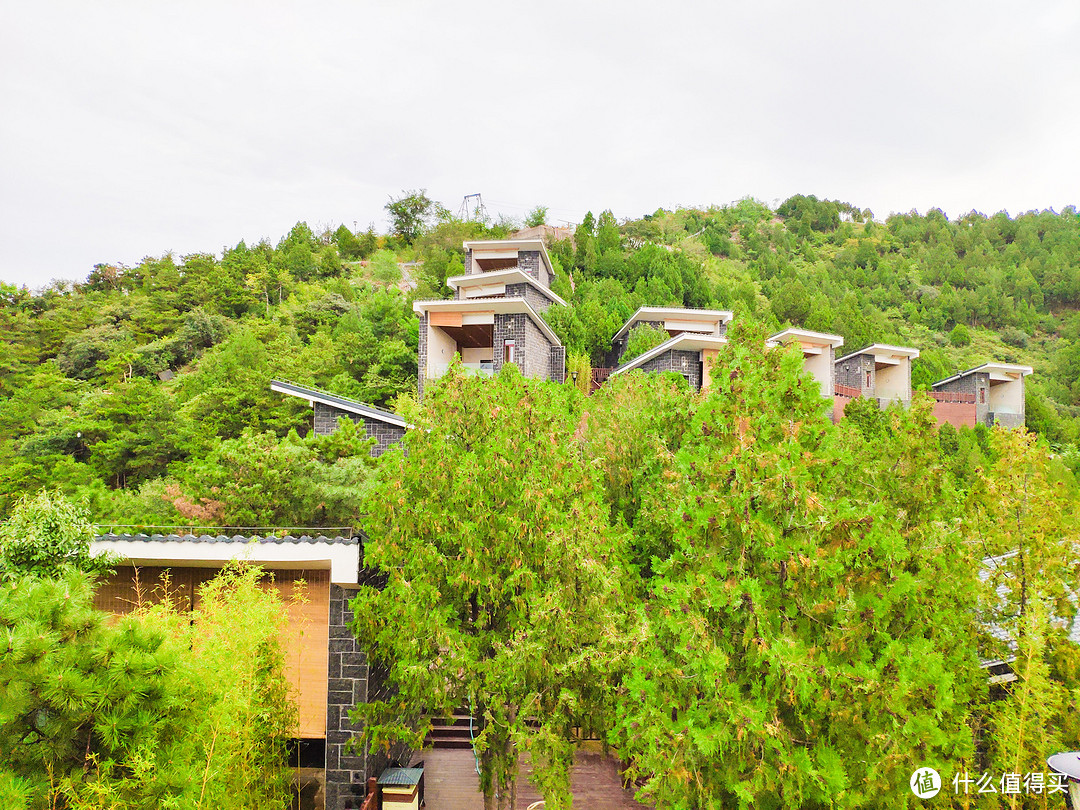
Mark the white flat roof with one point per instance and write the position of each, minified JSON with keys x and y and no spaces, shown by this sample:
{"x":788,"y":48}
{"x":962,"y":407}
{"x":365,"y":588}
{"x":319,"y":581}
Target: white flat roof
{"x":499,"y":305}
{"x":990,"y":368}
{"x":805,"y":335}
{"x":480,"y":245}
{"x":884,"y":348}
{"x":686,"y":341}
{"x":680,"y":313}
{"x":342,"y":559}
{"x":506,"y":277}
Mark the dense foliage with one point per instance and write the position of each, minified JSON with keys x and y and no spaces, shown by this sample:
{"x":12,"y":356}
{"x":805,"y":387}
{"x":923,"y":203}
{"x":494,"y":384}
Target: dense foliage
{"x":807,"y":606}
{"x":122,"y":388}
{"x":506,"y":586}
{"x":159,"y":708}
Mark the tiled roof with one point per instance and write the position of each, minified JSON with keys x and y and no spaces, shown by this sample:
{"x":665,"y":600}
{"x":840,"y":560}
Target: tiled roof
{"x":223,"y":538}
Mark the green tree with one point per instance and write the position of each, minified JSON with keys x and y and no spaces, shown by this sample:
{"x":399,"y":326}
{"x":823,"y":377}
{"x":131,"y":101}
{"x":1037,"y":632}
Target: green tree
{"x":45,"y":533}
{"x":642,"y":338}
{"x":410,"y":214}
{"x":495,"y":543}
{"x":798,"y":647}
{"x":960,"y":336}
{"x":536,"y":217}
{"x":384,"y":267}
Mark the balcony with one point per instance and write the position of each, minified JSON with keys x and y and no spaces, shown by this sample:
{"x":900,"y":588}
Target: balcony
{"x":483,"y":369}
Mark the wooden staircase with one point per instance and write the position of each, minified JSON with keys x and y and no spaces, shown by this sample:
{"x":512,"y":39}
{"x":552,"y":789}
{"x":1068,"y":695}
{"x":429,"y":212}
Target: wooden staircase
{"x":453,"y":733}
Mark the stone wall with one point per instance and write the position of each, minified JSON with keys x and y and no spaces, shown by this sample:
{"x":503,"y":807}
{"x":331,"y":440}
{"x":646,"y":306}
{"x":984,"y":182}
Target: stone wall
{"x":350,"y":681}
{"x":529,"y":261}
{"x":680,"y":361}
{"x":851,"y":372}
{"x":536,"y":299}
{"x":537,"y":361}
{"x":533,"y":353}
{"x":385,"y":435}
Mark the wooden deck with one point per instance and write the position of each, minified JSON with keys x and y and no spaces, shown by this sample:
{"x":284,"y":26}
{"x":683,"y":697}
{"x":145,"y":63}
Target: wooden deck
{"x":450,"y":783}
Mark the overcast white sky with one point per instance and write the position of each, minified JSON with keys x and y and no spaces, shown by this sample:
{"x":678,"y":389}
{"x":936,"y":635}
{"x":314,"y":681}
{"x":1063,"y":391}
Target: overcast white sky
{"x":133,"y":128}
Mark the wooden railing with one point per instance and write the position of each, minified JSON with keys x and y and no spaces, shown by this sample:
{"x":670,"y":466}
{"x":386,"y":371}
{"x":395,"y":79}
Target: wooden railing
{"x":599,"y":376}
{"x":952,"y":396}
{"x":846,"y":391}
{"x":371,"y":800}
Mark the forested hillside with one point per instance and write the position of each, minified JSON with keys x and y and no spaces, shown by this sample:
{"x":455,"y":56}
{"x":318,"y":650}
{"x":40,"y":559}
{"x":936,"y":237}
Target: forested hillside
{"x":146,"y":389}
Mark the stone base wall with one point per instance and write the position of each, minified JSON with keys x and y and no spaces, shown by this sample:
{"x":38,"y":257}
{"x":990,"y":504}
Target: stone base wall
{"x":350,"y":680}
{"x":1008,"y":420}
{"x":421,"y":353}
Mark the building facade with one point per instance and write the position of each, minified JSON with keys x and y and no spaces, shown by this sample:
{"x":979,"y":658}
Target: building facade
{"x":495,"y":316}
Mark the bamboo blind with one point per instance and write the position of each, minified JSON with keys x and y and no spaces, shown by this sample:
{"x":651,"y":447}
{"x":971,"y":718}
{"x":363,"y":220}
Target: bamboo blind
{"x":305,"y":640}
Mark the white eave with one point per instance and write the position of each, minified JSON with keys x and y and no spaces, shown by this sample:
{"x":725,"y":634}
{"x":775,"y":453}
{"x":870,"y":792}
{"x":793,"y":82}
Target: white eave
{"x":712,"y":316}
{"x":806,"y":336}
{"x":500,"y":306}
{"x":313,"y":395}
{"x":687,"y":341}
{"x":341,"y":559}
{"x":884,"y":350}
{"x":482,"y":245}
{"x":512,"y":276}
{"x":998,"y":372}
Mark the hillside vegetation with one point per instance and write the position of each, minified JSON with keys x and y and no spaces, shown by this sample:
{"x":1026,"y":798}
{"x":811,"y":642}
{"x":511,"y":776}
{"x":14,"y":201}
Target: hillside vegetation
{"x":145,"y":390}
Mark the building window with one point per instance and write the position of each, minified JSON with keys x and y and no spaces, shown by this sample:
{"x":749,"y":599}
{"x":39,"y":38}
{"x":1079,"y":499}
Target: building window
{"x":868,"y":379}
{"x":982,"y":396}
{"x":508,"y":351}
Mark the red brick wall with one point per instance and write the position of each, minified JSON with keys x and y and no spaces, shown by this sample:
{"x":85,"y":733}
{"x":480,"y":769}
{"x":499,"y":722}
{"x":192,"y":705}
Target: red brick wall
{"x":957,"y":414}
{"x":838,"y":405}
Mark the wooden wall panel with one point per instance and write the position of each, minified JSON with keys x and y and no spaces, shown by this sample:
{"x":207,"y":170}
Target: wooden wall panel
{"x":306,"y":637}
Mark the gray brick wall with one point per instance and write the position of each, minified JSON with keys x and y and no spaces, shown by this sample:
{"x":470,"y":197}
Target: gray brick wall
{"x":507,"y":327}
{"x":529,"y":261}
{"x":468,"y":262}
{"x":537,"y":363}
{"x":852,"y":373}
{"x":326,"y":422}
{"x":536,"y":299}
{"x":680,"y":361}
{"x":1009,"y":420}
{"x":532,"y":350}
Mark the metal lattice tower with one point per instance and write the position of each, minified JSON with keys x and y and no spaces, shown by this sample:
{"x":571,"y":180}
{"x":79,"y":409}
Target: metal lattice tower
{"x":472,"y":208}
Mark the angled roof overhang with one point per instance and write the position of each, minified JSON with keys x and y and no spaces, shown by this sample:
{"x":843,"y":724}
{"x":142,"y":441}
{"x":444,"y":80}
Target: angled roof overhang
{"x":313,"y":395}
{"x":687,"y":341}
{"x":704,"y":316}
